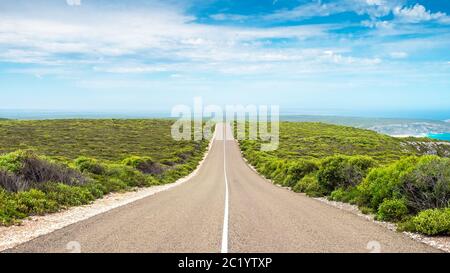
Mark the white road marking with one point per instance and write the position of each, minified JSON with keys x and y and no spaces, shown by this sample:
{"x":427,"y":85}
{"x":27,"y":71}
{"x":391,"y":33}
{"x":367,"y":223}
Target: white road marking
{"x":225,"y":216}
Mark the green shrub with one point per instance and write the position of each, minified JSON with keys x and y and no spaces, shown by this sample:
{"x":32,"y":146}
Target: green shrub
{"x":144,"y":164}
{"x":114,"y":185}
{"x":136,"y":161}
{"x":385,"y":182}
{"x":366,"y":210}
{"x":176,"y":173}
{"x":297,"y":170}
{"x":151,"y":181}
{"x":343,"y":171}
{"x":433,"y":222}
{"x":171,"y":161}
{"x":13,"y":162}
{"x":424,"y":182}
{"x":277,"y":171}
{"x":67,"y":196}
{"x":302,"y":184}
{"x":85,"y":164}
{"x":130,"y":176}
{"x":185,"y":153}
{"x":392,"y":210}
{"x":428,"y":185}
{"x":350,"y":195}
{"x":338,"y":195}
{"x":310,"y":186}
{"x":8,"y":209}
{"x":96,"y":189}
{"x":24,"y":170}
{"x":35,"y":202}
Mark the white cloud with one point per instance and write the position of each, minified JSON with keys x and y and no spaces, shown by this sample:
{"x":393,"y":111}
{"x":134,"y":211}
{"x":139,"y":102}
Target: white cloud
{"x":144,"y":37}
{"x":126,"y":69}
{"x":306,"y":11}
{"x":166,"y":40}
{"x":377,"y":24}
{"x":73,"y":2}
{"x":417,"y":13}
{"x":373,"y":8}
{"x":228,"y":17}
{"x":398,"y":55}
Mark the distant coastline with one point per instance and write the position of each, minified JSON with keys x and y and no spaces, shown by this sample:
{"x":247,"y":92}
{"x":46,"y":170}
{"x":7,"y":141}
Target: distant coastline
{"x":409,"y":135}
{"x":396,"y":127}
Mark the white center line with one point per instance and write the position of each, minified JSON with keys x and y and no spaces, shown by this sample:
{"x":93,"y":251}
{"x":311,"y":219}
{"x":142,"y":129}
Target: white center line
{"x":225,"y":216}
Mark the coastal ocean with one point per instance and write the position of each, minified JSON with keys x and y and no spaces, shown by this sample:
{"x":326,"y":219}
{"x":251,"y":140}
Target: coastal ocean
{"x":445,"y":136}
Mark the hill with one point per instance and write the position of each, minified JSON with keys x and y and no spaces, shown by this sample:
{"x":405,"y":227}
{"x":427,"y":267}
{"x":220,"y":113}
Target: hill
{"x":314,"y":140}
{"x":49,"y":165}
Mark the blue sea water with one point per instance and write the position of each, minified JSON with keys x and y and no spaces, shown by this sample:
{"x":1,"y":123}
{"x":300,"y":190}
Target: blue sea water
{"x":445,"y":136}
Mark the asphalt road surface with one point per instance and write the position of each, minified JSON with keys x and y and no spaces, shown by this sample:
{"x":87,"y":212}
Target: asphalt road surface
{"x":226,"y":207}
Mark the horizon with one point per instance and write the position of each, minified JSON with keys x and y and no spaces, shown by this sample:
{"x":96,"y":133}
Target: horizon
{"x":24,"y":114}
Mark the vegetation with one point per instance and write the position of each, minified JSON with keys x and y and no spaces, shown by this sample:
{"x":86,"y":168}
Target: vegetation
{"x":433,"y":222}
{"x":395,"y":179}
{"x":51,"y":165}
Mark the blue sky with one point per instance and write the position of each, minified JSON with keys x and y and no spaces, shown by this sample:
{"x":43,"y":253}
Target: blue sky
{"x":344,"y":56}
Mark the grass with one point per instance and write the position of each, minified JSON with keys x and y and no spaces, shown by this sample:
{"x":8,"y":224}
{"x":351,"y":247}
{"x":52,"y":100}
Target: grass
{"x":313,"y":140}
{"x":108,"y":140}
{"x":49,"y":165}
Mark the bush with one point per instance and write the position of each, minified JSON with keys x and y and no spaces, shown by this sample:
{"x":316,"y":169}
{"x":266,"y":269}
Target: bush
{"x":12,"y":162}
{"x":297,"y":170}
{"x":343,"y":171}
{"x":24,"y":170}
{"x":433,"y":222}
{"x":424,"y":182}
{"x":96,"y":189}
{"x":8,"y":210}
{"x":385,"y":182}
{"x":37,"y":170}
{"x":310,"y":186}
{"x":428,"y":185}
{"x":85,"y":164}
{"x":350,"y":195}
{"x":12,"y":182}
{"x":128,"y":175}
{"x":114,"y":185}
{"x":35,"y":202}
{"x":185,"y":153}
{"x":171,"y":161}
{"x":67,"y":196}
{"x":392,"y":210}
{"x":338,"y":195}
{"x":144,"y":164}
{"x":277,"y":171}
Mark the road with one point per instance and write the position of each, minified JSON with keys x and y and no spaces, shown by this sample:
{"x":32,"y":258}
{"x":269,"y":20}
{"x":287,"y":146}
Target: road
{"x":226,"y":207}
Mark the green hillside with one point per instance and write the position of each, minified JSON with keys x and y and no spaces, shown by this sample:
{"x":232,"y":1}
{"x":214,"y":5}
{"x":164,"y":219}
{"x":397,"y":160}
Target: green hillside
{"x":49,"y":165}
{"x":400,"y":180}
{"x":312,"y":140}
{"x":111,"y":140}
